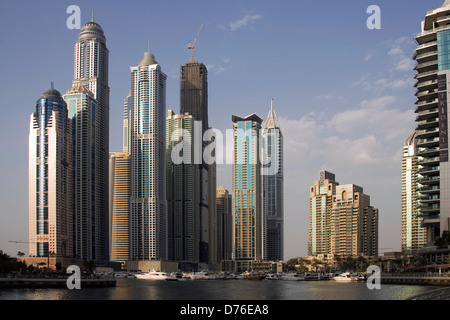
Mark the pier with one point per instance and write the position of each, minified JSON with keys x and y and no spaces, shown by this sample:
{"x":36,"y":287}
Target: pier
{"x":429,"y":279}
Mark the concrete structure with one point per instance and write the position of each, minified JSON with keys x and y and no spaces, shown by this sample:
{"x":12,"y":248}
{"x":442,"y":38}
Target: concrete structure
{"x":194,"y":101}
{"x":50,"y":178}
{"x":119,"y":198}
{"x":92,"y":131}
{"x":354,"y":223}
{"x":182,"y":190}
{"x":414,"y":236}
{"x":224,"y":205}
{"x":273,"y":188}
{"x":247,"y":185}
{"x":148,"y":207}
{"x":433,"y":74}
{"x":320,"y":206}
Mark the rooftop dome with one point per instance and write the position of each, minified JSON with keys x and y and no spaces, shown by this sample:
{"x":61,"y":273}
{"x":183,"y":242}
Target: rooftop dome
{"x":149,"y":59}
{"x":92,"y":30}
{"x":51,"y":93}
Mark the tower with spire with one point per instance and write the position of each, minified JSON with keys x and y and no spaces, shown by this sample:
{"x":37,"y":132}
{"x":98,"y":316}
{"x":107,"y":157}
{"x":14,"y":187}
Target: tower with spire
{"x":89,"y":112}
{"x":272,"y":189}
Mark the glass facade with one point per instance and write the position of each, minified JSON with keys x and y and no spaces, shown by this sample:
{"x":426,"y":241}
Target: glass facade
{"x":443,"y":45}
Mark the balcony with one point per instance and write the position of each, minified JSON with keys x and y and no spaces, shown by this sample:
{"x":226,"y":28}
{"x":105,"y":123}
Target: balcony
{"x":426,"y":47}
{"x":426,"y":56}
{"x":429,"y":180}
{"x":428,"y":114}
{"x":427,"y":95}
{"x":428,"y":133}
{"x":426,"y":85}
{"x":425,"y":76}
{"x":429,"y":123}
{"x":424,"y":106}
{"x":429,"y":171}
{"x":426,"y":143}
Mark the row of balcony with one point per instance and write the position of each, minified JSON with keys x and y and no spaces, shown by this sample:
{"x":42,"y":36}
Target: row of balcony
{"x":428,"y":114}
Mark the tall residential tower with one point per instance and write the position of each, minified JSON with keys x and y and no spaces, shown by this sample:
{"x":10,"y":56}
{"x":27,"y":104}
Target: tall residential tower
{"x":433,"y":75}
{"x":50,"y":178}
{"x":413,"y":234}
{"x":273,"y":193}
{"x":148,"y":166}
{"x":247,"y":189}
{"x":91,"y":148}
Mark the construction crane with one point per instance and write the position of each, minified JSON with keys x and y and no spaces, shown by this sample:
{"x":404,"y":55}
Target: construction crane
{"x":20,"y":241}
{"x":192,"y":47}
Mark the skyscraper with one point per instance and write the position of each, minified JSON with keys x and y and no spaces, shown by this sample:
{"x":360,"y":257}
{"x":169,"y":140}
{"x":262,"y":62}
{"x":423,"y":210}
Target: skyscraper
{"x":224,"y":224}
{"x":148,"y":166}
{"x":414,"y":236}
{"x":91,"y":212}
{"x":82,"y":108}
{"x":433,"y":72}
{"x":247,"y":187}
{"x":194,"y":101}
{"x":183,"y":191}
{"x":119,"y":198}
{"x":273,"y":193}
{"x":320,"y":207}
{"x":354,"y":223}
{"x":50,"y":178}
{"x":194,"y":92}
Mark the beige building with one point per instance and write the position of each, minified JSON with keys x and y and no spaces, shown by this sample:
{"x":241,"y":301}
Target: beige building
{"x":120,"y":190}
{"x":414,"y":236}
{"x":354,"y":223}
{"x":320,"y":205}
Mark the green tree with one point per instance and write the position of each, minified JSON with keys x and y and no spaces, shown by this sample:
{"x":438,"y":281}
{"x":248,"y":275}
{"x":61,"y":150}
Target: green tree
{"x":89,"y":266}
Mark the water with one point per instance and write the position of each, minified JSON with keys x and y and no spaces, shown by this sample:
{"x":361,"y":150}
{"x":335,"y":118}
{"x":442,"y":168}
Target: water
{"x":139,"y":289}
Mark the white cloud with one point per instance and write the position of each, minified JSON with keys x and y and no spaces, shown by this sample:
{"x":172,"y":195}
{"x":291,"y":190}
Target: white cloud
{"x":249,"y":18}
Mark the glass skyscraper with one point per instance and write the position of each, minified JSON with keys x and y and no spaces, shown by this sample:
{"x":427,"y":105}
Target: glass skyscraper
{"x":148,"y":167}
{"x":433,"y":74}
{"x":50,"y":178}
{"x":247,"y":188}
{"x":273,"y":193}
{"x":91,"y":144}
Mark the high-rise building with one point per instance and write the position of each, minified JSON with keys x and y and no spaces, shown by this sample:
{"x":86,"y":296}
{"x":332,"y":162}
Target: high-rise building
{"x":320,"y":207}
{"x":224,"y":224}
{"x":354,"y":223}
{"x":91,"y":211}
{"x":183,"y":191}
{"x":273,"y":193}
{"x":194,"y":92}
{"x":82,"y":108}
{"x":50,"y":178}
{"x":148,"y":206}
{"x":194,"y":101}
{"x":119,"y":206}
{"x":247,"y":189}
{"x":414,"y":236}
{"x":433,"y":73}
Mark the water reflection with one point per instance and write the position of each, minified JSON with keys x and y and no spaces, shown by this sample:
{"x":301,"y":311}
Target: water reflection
{"x":138,"y":289}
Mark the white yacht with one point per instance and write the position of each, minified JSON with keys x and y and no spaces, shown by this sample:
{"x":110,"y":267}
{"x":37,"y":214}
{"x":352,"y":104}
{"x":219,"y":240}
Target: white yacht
{"x":291,"y":277}
{"x":152,"y":275}
{"x":344,"y":277}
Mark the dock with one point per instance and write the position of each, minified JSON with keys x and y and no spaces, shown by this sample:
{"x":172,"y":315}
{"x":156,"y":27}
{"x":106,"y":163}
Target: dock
{"x":424,"y":279}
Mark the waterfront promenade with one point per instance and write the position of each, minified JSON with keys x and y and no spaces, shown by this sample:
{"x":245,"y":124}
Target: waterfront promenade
{"x":420,"y":278}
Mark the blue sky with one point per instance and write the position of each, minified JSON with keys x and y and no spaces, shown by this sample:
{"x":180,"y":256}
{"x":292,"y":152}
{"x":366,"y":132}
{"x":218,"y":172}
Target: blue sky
{"x":344,"y":94}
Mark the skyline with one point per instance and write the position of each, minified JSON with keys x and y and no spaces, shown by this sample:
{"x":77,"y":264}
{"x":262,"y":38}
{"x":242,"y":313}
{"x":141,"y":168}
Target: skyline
{"x":346,"y":114}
